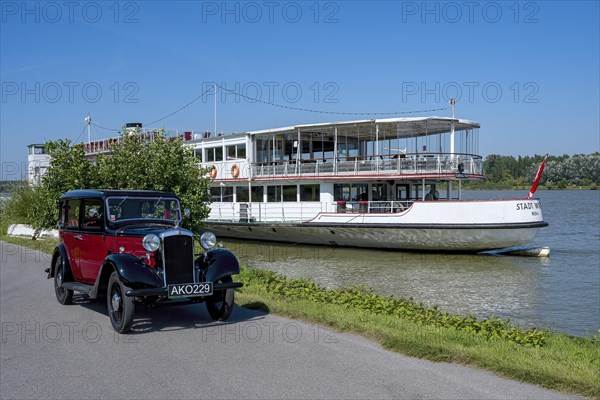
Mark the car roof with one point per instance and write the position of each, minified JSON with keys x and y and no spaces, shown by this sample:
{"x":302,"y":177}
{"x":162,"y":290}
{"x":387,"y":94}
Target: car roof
{"x":101,"y":193}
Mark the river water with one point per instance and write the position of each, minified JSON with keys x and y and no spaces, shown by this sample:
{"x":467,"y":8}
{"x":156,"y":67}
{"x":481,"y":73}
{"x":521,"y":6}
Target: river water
{"x":561,"y":292}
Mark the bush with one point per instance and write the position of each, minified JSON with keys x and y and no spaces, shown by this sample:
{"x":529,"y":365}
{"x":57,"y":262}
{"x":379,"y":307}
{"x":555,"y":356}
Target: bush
{"x":135,"y":163}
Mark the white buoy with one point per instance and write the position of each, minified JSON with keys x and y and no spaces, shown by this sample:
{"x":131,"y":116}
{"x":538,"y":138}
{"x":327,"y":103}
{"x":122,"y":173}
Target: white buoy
{"x":530,"y":252}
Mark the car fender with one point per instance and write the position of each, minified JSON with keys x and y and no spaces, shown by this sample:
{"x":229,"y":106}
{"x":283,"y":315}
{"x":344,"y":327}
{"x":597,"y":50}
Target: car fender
{"x":221,"y":263}
{"x":134,"y":273}
{"x":62,"y":252}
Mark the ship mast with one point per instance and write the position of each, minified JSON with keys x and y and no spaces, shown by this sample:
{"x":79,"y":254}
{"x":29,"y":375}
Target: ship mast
{"x":452,"y":103}
{"x":88,"y":121}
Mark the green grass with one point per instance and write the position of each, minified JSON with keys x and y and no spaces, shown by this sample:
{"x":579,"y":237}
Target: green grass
{"x":552,"y":360}
{"x":45,"y":244}
{"x":561,"y":362}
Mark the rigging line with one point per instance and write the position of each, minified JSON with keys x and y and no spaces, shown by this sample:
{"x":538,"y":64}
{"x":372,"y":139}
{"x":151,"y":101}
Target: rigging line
{"x":327,"y":112}
{"x":160,"y":119}
{"x":181,"y":108}
{"x":106,"y":129}
{"x":77,"y":140}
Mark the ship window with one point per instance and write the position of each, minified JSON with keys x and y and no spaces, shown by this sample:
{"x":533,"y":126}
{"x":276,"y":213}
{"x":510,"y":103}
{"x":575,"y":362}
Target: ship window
{"x":347,"y":192}
{"x":402,"y":192}
{"x":274,"y":193}
{"x":198,"y":154}
{"x":241,"y":193}
{"x":290,"y":193}
{"x":214,"y":154}
{"x":221,"y":194}
{"x":39,"y":150}
{"x":257,"y":194}
{"x":310,"y":193}
{"x":379,"y":192}
{"x":227,"y":195}
{"x":236,"y":151}
{"x":215,"y":194}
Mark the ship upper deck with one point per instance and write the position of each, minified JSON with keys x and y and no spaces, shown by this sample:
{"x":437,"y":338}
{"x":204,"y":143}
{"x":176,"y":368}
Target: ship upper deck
{"x":412,"y":147}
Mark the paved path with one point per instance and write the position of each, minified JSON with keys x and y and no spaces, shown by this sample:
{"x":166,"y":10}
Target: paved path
{"x":54,"y":351}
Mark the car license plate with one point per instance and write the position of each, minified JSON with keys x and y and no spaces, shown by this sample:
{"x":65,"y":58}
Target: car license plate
{"x":190,"y":289}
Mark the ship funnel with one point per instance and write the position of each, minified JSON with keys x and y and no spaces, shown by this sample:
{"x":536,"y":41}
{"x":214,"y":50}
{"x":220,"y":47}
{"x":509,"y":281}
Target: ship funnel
{"x":132,"y":128}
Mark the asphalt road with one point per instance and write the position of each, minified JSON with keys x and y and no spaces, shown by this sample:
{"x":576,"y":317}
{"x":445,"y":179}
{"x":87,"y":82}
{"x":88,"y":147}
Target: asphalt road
{"x":71,"y":352}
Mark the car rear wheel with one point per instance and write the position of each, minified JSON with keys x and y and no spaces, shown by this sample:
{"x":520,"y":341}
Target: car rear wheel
{"x":64,"y":296}
{"x":220,"y":304}
{"x":120,"y":307}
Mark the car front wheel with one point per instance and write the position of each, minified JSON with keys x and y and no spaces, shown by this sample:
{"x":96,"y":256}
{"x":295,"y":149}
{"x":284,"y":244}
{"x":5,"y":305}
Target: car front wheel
{"x":64,"y":296}
{"x":120,"y":307}
{"x":220,"y":304}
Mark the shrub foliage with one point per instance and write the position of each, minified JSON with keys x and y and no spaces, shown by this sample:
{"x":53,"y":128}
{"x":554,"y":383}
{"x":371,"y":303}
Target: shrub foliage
{"x":135,"y":162}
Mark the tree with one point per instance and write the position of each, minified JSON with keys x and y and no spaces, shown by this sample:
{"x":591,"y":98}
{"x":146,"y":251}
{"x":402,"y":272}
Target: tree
{"x":38,"y":206}
{"x":137,"y":161}
{"x":155,"y":162}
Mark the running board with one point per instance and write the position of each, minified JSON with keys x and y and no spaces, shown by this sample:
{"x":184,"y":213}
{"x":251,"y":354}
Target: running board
{"x":78,"y":287}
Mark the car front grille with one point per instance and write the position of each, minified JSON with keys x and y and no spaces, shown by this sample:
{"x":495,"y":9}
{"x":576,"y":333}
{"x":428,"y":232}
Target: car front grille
{"x":179,"y":259}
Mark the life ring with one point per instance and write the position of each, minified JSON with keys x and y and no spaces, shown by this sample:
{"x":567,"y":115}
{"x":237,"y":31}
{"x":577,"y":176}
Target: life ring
{"x":235,"y":170}
{"x":213,"y":172}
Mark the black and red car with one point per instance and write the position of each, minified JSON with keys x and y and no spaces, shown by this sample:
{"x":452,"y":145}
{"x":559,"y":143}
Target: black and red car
{"x":128,"y":246}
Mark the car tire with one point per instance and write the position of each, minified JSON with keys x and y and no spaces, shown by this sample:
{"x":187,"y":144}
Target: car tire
{"x":220,"y":304}
{"x":120,"y":307}
{"x":64,"y":296}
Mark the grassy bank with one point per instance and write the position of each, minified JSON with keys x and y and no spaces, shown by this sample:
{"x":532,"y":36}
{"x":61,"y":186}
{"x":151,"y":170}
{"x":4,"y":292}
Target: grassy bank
{"x":555,"y":361}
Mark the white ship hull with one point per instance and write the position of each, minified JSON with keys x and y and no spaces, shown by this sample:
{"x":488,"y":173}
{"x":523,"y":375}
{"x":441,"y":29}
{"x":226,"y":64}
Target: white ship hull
{"x":458,"y":226}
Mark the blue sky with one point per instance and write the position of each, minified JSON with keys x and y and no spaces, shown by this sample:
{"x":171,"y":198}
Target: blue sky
{"x":528,"y":71}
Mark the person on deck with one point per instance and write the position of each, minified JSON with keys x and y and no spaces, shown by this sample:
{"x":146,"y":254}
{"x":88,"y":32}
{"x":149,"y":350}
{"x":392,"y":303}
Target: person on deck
{"x":433,"y":194}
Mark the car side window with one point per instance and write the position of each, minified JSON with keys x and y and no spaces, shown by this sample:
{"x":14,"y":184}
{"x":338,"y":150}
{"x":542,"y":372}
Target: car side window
{"x":72,"y":214}
{"x":62,"y":215}
{"x":93,"y":215}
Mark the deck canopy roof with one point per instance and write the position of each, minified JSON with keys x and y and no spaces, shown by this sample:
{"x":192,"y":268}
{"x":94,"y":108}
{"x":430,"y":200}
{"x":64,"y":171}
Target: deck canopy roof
{"x":389,"y":127}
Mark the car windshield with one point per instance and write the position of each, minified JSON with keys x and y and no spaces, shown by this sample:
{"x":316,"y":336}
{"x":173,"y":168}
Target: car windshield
{"x":136,"y":208}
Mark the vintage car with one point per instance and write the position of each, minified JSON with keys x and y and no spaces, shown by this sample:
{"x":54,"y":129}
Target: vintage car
{"x":128,"y":246}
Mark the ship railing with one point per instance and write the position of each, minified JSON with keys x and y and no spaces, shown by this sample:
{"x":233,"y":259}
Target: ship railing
{"x":270,"y":212}
{"x":397,"y":164}
{"x":295,"y":212}
{"x":376,"y":206}
{"x":104,"y":145}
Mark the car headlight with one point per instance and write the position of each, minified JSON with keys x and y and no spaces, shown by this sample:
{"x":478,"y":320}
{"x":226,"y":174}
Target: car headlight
{"x":151,"y":242}
{"x":208,"y":240}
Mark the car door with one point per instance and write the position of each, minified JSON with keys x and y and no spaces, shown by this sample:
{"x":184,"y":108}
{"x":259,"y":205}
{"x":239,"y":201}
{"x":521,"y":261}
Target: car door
{"x":71,"y":235}
{"x":92,"y":246}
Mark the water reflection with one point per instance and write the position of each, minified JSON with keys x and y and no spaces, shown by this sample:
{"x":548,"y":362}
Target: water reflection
{"x":482,"y":285}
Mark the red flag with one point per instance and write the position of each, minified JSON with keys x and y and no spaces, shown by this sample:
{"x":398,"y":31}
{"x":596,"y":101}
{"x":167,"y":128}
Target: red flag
{"x":538,"y":176}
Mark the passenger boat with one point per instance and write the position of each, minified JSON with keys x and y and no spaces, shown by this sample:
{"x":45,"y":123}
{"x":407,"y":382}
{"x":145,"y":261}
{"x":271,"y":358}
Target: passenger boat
{"x":392,"y":183}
